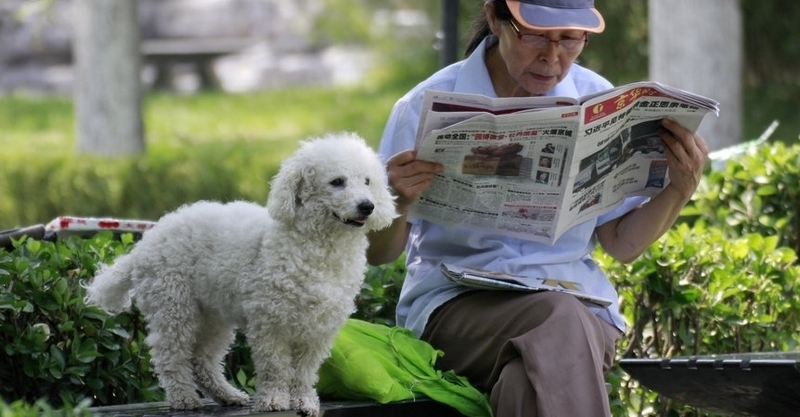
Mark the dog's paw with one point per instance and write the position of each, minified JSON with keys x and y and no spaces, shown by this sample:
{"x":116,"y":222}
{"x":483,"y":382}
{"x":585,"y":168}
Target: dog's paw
{"x":274,"y":401}
{"x":308,"y":405}
{"x":185,"y":402}
{"x":234,"y":397}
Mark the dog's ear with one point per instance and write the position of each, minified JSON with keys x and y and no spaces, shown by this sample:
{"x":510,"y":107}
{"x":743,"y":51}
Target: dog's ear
{"x":385,"y":211}
{"x":285,"y":194}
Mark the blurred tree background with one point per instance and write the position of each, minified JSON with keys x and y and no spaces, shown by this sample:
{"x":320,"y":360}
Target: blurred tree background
{"x":772,"y":49}
{"x":235,"y":139}
{"x":40,"y":180}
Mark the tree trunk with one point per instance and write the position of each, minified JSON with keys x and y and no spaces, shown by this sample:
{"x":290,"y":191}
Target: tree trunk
{"x":108,"y":91}
{"x":697,"y":45}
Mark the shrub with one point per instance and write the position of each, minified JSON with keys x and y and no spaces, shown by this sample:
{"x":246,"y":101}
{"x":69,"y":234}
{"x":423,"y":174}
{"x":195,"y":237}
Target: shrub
{"x":758,"y":192}
{"x":379,"y":293}
{"x":57,"y":348}
{"x":142,"y":188}
{"x":41,"y":408}
{"x":698,"y":292}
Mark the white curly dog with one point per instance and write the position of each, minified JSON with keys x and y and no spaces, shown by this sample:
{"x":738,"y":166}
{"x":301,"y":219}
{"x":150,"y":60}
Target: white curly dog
{"x":287,"y":275}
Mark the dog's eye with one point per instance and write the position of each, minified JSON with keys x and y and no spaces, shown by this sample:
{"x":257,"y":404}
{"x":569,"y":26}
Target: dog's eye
{"x":366,"y":182}
{"x":337,"y":182}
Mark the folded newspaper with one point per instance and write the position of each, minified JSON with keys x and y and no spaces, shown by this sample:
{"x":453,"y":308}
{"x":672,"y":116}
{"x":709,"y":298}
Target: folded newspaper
{"x":491,"y":280}
{"x":534,"y":167}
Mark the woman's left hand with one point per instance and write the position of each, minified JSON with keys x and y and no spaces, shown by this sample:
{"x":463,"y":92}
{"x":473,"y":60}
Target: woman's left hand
{"x":686,"y":154}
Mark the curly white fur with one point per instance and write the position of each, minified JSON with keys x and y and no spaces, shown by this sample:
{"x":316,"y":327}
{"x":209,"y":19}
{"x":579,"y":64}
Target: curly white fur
{"x":287,"y":275}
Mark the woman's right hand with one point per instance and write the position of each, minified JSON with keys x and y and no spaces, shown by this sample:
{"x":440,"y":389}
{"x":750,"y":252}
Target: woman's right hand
{"x":409,"y":177}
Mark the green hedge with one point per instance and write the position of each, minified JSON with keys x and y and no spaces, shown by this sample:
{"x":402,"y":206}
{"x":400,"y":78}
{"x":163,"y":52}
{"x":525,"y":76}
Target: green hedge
{"x":39,"y":190}
{"x":721,"y":281}
{"x":698,"y":292}
{"x":757,"y":193}
{"x":41,"y":408}
{"x":57,"y":348}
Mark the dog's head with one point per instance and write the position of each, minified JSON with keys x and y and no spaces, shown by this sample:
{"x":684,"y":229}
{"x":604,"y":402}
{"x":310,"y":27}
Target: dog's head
{"x":335,"y":179}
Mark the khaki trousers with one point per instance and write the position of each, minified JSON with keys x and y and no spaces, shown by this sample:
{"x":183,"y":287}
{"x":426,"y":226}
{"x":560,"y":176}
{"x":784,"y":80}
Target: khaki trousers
{"x":538,"y":354}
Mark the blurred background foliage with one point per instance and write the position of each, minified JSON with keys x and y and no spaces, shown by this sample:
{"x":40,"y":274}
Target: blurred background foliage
{"x":221,"y":146}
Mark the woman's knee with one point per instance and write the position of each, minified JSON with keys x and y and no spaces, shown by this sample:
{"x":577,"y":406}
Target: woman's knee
{"x":562,"y":304}
{"x":563,"y":319}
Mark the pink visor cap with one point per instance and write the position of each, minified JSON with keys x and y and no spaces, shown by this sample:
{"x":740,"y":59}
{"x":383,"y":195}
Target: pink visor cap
{"x":557,"y":15}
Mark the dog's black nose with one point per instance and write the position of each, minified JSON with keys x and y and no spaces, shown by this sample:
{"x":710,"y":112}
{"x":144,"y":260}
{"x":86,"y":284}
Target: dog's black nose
{"x":366,"y":208}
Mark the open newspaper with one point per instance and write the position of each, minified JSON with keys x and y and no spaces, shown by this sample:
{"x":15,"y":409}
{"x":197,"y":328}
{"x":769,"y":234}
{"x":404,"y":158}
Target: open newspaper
{"x":534,"y":167}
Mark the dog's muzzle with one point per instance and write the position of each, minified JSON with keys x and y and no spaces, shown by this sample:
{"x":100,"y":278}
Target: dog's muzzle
{"x":364,"y":209}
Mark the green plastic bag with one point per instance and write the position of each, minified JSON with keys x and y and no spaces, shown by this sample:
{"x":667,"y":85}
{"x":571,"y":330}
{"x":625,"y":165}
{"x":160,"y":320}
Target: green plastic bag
{"x":381,"y":363}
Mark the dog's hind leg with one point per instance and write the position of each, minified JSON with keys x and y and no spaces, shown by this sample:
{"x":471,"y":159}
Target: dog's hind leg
{"x":173,"y":326}
{"x":212,"y":344}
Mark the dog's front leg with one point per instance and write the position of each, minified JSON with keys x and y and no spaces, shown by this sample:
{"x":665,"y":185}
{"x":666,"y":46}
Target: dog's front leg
{"x":273,"y":364}
{"x":308,"y":356}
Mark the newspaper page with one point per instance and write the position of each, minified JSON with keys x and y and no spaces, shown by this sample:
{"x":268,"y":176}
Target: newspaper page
{"x":491,"y":280}
{"x":534,"y":167}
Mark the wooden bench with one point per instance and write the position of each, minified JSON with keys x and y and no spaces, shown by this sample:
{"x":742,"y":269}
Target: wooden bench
{"x":417,"y":408}
{"x":764,"y":384}
{"x":200,"y":52}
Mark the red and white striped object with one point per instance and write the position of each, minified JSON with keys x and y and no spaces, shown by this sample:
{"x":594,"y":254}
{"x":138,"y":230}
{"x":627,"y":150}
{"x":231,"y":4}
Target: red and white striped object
{"x":68,"y":225}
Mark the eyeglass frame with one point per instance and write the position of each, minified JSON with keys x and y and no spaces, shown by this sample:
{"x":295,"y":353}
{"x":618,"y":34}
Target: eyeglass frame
{"x":578,"y":47}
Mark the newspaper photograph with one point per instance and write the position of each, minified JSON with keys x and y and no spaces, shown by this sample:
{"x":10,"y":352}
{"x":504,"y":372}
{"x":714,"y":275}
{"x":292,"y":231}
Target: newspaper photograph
{"x":534,"y":167}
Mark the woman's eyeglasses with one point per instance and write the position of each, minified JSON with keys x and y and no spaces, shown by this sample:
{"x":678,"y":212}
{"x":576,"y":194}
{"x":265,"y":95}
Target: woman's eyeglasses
{"x":538,"y":41}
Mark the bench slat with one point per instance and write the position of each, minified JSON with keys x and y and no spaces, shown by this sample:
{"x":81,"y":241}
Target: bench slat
{"x":417,"y":408}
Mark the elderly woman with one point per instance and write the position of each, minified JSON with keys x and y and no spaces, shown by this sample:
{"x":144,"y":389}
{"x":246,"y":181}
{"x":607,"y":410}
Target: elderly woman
{"x":537,"y":354}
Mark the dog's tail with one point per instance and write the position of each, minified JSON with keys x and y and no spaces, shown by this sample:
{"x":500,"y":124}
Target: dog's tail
{"x":110,"y":289}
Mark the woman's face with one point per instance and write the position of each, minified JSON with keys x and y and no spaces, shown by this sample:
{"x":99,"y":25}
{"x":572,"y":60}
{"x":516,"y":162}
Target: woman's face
{"x":534,"y":70}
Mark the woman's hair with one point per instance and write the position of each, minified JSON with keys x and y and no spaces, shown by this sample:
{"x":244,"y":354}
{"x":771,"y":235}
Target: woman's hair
{"x":480,"y":25}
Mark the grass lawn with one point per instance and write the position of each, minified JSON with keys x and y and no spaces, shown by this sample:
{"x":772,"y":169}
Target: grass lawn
{"x":267,"y":120}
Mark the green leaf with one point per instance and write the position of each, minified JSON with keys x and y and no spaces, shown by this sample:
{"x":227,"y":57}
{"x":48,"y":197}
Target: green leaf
{"x":119,"y":331}
{"x":33,"y":245}
{"x":767,"y":190}
{"x":87,"y":351}
{"x":57,"y":355}
{"x":95,"y":384}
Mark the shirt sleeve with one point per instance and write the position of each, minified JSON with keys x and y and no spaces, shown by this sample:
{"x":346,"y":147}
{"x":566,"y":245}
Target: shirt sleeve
{"x":401,"y":128}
